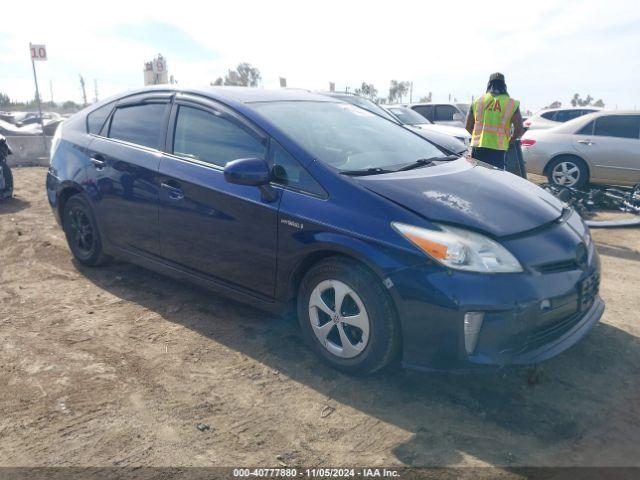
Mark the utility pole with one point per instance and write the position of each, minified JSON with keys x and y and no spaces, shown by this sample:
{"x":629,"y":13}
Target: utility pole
{"x":411,"y":92}
{"x":95,"y":90}
{"x":84,"y":92}
{"x":51,"y":90}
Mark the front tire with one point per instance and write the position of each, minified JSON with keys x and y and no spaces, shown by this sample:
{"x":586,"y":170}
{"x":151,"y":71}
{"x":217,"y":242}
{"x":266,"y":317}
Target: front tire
{"x":82,"y":232}
{"x":568,"y":171}
{"x":347,"y":317}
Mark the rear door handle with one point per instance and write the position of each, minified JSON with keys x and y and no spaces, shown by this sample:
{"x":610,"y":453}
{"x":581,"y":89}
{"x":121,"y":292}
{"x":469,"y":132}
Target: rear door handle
{"x":586,"y":142}
{"x":98,"y":162}
{"x":173,"y":191}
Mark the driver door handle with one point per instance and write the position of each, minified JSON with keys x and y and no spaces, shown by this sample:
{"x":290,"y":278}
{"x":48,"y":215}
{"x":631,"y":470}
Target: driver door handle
{"x":586,"y":142}
{"x":173,"y":190}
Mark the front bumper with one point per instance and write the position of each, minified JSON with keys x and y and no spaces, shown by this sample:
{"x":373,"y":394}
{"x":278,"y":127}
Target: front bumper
{"x":528,"y":317}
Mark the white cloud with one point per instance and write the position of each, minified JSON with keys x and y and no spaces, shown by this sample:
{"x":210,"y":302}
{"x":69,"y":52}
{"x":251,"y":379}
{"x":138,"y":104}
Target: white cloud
{"x":545,"y":48}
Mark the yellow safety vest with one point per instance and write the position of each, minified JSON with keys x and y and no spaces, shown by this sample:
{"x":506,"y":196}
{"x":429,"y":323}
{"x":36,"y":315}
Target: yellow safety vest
{"x":492,"y":114}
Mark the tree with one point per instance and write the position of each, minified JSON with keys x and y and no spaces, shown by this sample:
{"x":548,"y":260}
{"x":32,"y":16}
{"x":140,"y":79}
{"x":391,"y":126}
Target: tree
{"x":245,"y":75}
{"x":70,"y":105}
{"x":397,"y":90}
{"x":577,"y":101}
{"x":554,"y":104}
{"x":426,"y":99}
{"x":5,"y":101}
{"x":367,"y":90}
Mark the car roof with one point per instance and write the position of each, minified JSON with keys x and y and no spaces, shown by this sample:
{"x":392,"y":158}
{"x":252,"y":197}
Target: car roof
{"x":236,"y":94}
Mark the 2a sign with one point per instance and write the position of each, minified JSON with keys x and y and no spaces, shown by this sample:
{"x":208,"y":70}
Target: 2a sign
{"x":38,"y":52}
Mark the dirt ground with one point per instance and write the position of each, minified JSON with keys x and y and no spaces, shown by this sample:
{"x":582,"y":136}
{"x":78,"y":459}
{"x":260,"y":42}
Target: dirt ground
{"x":116,"y":366}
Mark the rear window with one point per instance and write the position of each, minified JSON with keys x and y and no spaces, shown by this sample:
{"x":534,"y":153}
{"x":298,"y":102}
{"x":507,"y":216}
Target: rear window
{"x":96,"y":119}
{"x":622,"y":126}
{"x":139,"y":124}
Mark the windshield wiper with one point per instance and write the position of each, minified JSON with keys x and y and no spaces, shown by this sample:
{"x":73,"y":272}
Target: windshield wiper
{"x":425,"y":162}
{"x":366,"y":171}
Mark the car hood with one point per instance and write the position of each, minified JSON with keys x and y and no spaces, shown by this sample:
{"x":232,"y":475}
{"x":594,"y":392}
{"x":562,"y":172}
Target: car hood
{"x":446,"y":129}
{"x":469,"y":195}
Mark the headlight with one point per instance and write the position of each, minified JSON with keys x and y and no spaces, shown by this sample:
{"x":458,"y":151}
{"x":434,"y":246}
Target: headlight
{"x":461,"y":249}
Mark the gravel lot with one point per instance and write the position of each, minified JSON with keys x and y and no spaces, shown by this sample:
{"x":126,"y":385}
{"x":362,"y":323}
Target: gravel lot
{"x":117,"y":366}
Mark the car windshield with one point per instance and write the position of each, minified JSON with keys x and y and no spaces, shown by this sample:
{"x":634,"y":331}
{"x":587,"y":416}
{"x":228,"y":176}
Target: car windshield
{"x":408,"y":116}
{"x":366,"y":104}
{"x":348,"y":137}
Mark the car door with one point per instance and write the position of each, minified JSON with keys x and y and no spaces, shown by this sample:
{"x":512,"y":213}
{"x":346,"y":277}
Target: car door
{"x":125,"y":156}
{"x":208,"y":225}
{"x":611,"y":145}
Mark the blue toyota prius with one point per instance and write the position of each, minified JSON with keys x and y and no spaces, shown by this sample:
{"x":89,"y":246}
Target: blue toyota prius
{"x":385,"y":246}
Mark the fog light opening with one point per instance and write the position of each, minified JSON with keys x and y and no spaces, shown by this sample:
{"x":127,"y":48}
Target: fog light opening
{"x":472,"y":325}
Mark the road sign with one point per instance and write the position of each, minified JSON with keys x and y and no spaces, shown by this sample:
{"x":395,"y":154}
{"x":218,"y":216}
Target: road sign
{"x":38,"y":52}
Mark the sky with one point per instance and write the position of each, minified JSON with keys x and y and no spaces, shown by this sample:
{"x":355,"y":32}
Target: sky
{"x":548,"y":50}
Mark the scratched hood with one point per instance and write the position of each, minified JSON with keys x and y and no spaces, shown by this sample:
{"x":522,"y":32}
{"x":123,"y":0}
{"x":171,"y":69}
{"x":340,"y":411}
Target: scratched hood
{"x":457,"y":192}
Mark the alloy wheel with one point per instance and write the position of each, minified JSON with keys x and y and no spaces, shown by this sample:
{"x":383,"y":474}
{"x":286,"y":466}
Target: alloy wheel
{"x":566,"y":174}
{"x":339,"y":318}
{"x":81,"y":231}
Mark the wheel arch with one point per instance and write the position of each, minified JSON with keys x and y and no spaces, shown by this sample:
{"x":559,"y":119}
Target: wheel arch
{"x":64,"y":194}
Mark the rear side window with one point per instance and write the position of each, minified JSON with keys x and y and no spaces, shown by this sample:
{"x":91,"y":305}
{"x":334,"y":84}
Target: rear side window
{"x":566,"y":115}
{"x":213,"y":138}
{"x":622,"y":126}
{"x":548,"y":115}
{"x":96,"y":119}
{"x":425,"y":110}
{"x":444,"y":113}
{"x":139,"y":124}
{"x":288,"y":171}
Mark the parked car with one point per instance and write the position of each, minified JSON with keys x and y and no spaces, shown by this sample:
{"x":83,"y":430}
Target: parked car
{"x":6,"y":176}
{"x":601,"y":147}
{"x":409,"y":117}
{"x":441,"y":136}
{"x":454,"y":114}
{"x":553,"y":117}
{"x":385,"y":246}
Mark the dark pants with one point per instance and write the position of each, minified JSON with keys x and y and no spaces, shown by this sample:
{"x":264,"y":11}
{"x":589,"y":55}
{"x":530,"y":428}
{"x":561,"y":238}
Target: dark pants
{"x":490,"y":156}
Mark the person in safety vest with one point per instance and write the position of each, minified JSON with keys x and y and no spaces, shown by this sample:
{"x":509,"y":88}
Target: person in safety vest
{"x":489,"y":122}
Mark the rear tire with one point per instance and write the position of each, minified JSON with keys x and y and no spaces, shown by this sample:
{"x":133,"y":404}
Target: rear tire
{"x":82,"y":232}
{"x":568,"y":171}
{"x":362,"y":334}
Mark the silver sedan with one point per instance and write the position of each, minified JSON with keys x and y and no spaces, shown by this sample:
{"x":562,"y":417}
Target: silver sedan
{"x":601,"y":147}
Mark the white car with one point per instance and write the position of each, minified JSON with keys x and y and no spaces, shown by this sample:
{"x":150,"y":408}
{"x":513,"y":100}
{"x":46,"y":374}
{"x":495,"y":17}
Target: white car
{"x":553,"y":117}
{"x":601,"y":147}
{"x":454,"y":114}
{"x":407,"y":116}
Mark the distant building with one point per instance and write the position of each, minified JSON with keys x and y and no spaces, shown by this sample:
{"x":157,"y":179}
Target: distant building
{"x":155,"y":71}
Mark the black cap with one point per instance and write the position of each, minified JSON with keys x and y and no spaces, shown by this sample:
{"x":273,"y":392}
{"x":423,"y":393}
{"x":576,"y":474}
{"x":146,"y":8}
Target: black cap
{"x":496,"y":76}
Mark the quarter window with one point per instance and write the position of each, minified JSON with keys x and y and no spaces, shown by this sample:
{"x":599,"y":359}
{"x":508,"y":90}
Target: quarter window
{"x":139,"y":124}
{"x":96,"y":119}
{"x":213,"y":138}
{"x":288,"y":171}
{"x":425,"y":110}
{"x":587,"y":129}
{"x":622,"y":126}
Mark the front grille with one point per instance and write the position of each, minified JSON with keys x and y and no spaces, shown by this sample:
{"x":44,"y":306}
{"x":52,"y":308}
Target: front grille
{"x":559,"y":266}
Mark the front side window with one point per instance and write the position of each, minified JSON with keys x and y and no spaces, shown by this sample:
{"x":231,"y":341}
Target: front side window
{"x":408,"y":116}
{"x":213,"y":138}
{"x":347,"y":137}
{"x":622,"y":126}
{"x":566,"y":115}
{"x":139,"y":124}
{"x":445,"y":113}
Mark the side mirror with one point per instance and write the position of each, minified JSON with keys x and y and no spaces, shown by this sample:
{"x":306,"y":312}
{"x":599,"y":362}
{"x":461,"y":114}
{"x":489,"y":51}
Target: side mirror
{"x":247,"y":171}
{"x":457,"y":117}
